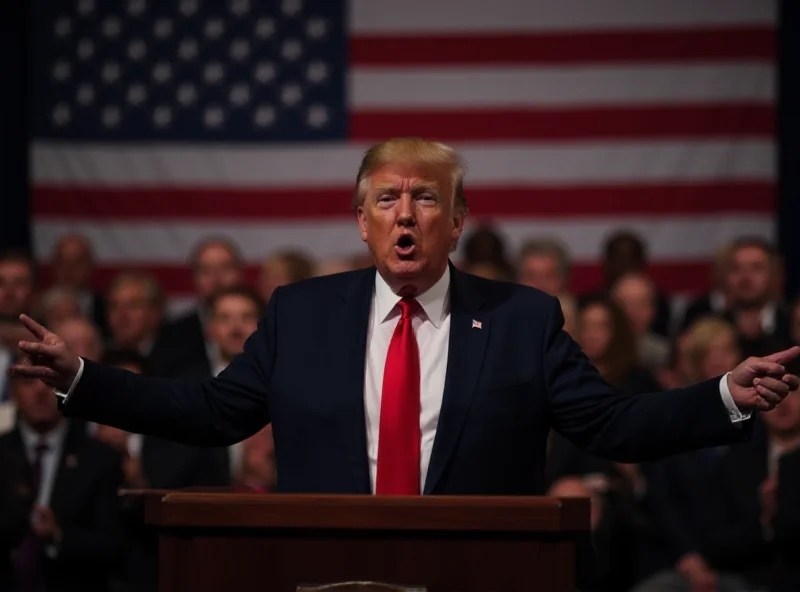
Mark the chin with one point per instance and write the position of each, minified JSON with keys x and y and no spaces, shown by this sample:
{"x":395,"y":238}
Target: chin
{"x":406,"y":269}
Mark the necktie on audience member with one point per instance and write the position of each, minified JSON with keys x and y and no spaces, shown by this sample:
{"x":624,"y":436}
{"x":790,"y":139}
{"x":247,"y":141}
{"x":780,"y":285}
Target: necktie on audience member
{"x":27,"y":557}
{"x":399,"y":431}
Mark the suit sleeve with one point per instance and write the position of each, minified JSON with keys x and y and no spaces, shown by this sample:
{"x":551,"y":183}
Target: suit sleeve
{"x":215,"y":412}
{"x":599,"y":419}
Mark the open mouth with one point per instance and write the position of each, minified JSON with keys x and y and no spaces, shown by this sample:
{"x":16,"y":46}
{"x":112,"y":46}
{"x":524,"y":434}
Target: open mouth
{"x":405,"y":246}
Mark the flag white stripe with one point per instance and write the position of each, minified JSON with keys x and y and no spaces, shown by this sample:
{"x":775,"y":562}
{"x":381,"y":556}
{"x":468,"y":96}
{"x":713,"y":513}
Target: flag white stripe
{"x":424,"y":16}
{"x":268,"y":166}
{"x":668,"y":238}
{"x":650,"y":84}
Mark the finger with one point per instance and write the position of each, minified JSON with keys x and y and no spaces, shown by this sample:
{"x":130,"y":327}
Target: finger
{"x":32,"y":326}
{"x":34,"y":348}
{"x":770,"y":397}
{"x":793,"y":381}
{"x":773,"y":384}
{"x":785,"y":356}
{"x":41,"y":372}
{"x":764,"y":366}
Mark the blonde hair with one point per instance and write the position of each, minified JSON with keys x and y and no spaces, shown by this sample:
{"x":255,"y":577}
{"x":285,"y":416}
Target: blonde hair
{"x":702,"y":334}
{"x":411,"y":151}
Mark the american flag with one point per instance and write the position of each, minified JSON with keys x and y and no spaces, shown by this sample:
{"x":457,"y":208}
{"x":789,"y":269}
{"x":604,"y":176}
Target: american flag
{"x":159,"y":123}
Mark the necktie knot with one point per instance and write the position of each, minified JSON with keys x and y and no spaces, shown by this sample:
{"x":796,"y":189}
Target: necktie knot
{"x":408,"y":308}
{"x":41,"y":448}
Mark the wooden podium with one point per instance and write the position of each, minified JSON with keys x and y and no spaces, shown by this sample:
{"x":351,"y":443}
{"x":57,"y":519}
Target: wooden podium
{"x":340,"y":543}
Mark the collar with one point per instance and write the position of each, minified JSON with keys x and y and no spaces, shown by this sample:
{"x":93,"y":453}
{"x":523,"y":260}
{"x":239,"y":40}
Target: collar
{"x":53,"y":438}
{"x":768,"y":317}
{"x":434,"y":301}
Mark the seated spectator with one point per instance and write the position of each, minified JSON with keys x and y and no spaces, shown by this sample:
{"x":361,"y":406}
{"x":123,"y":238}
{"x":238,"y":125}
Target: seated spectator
{"x":544,"y":264}
{"x":81,"y":336}
{"x":569,"y":308}
{"x":717,"y":300}
{"x":485,"y":246}
{"x":62,"y":529}
{"x":488,"y":271}
{"x":58,"y":304}
{"x":678,"y":370}
{"x":635,"y":294}
{"x":331,"y":266}
{"x":285,"y":267}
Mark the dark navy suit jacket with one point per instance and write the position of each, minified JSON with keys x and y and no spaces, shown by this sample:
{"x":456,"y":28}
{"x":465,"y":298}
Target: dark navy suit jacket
{"x":507,"y":384}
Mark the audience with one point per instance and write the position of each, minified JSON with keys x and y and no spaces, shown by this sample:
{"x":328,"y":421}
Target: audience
{"x":544,"y":264}
{"x":283,"y":268}
{"x":717,"y":300}
{"x":73,"y":269}
{"x":58,"y":304}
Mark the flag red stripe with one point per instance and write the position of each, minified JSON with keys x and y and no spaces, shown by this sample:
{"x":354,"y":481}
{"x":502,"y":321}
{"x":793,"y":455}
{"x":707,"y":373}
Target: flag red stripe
{"x":630,"y":46}
{"x":203,"y":203}
{"x":669,"y":276}
{"x":597,"y":123}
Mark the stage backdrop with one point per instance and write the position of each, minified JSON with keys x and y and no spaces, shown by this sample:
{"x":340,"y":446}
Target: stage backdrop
{"x":159,"y":123}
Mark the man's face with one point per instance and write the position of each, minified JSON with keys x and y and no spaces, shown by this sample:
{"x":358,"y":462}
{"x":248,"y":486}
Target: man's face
{"x":80,"y":337}
{"x":409,"y":224}
{"x":273,"y":275}
{"x":784,"y":420}
{"x":635,"y":297}
{"x":722,"y":356}
{"x":216,"y":268}
{"x":543,"y":272}
{"x":16,"y":289}
{"x":750,"y":277}
{"x":72,"y":264}
{"x":233,"y":319}
{"x":132,"y":317}
{"x":36,"y":404}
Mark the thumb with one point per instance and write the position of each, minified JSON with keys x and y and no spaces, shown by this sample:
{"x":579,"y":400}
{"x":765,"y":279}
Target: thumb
{"x":785,"y":356}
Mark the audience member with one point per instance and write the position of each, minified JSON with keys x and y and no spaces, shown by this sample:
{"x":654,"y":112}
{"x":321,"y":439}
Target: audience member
{"x":82,"y":337}
{"x":635,"y":294}
{"x":66,"y":532}
{"x":331,"y":266}
{"x":490,"y":271}
{"x":285,"y":267}
{"x":72,"y":265}
{"x":544,"y":264}
{"x":678,"y":370}
{"x":794,"y":322}
{"x":58,"y":304}
{"x":716,"y":301}
{"x":484,"y":245}
{"x":569,"y":308}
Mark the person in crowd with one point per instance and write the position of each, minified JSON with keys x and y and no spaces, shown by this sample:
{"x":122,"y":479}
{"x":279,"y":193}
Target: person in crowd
{"x":544,"y":264}
{"x":360,"y":373}
{"x":717,"y":300}
{"x":684,"y":488}
{"x":794,"y":322}
{"x":81,"y":335}
{"x":489,"y":271}
{"x":73,"y":269}
{"x":678,"y":371}
{"x":569,"y":308}
{"x":216,"y":263}
{"x":624,"y":252}
{"x":336,"y":265}
{"x":66,"y":531}
{"x":58,"y":304}
{"x":761,"y":321}
{"x":485,"y":246}
{"x":635,"y":294}
{"x":148,"y":462}
{"x":281,"y":269}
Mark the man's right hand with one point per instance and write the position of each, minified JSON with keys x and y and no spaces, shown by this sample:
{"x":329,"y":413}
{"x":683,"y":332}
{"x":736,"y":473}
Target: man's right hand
{"x":701,"y":577}
{"x":47,"y":358}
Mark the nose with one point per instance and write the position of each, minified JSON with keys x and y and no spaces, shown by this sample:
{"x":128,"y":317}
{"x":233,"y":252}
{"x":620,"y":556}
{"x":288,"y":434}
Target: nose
{"x":406,"y":215}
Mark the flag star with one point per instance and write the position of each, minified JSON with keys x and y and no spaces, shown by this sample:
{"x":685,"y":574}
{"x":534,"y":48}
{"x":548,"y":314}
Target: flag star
{"x":214,"y":28}
{"x":111,"y":27}
{"x":240,"y":49}
{"x":86,"y":7}
{"x":187,"y":50}
{"x":188,"y":7}
{"x":61,"y":114}
{"x":317,"y":116}
{"x":291,"y":95}
{"x":317,"y":71}
{"x":317,"y":27}
{"x":162,"y":72}
{"x":137,"y":94}
{"x":265,"y":72}
{"x":240,"y":7}
{"x":265,"y":28}
{"x":163,"y":28}
{"x":240,"y":94}
{"x":137,"y":49}
{"x":111,"y":72}
{"x":264,"y":116}
{"x":291,"y":50}
{"x":187,"y":94}
{"x":291,"y":7}
{"x":136,"y":7}
{"x":62,"y":70}
{"x":63,"y":26}
{"x":85,"y":49}
{"x":213,"y":72}
{"x":111,"y":116}
{"x":85,"y":94}
{"x":214,"y":116}
{"x":162,"y":116}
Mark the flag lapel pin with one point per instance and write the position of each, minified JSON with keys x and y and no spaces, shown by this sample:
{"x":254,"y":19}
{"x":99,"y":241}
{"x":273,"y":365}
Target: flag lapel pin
{"x":477,"y":324}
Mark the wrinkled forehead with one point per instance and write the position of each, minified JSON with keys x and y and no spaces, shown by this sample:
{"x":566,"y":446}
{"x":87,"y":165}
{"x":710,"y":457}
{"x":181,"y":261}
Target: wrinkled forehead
{"x":408,"y":176}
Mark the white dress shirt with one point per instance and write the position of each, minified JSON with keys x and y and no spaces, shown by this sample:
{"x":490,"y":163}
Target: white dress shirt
{"x":432,"y":330}
{"x":50,"y":459}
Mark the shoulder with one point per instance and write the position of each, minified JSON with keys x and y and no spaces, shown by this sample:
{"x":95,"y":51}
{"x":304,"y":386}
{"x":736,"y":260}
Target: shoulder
{"x":508,"y":297}
{"x":321,"y":288}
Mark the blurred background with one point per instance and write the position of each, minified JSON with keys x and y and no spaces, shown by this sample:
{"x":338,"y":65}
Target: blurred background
{"x":165,"y":165}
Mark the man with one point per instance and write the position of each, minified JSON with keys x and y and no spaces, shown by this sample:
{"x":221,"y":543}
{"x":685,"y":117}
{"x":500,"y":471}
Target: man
{"x":73,"y":268}
{"x":411,"y":376}
{"x":714,"y":302}
{"x":284,"y":267}
{"x":82,"y":337}
{"x":544,"y":264}
{"x":65,"y":532}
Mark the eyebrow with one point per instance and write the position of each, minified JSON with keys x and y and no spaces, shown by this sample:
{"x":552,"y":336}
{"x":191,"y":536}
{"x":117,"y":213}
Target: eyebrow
{"x":416,"y":188}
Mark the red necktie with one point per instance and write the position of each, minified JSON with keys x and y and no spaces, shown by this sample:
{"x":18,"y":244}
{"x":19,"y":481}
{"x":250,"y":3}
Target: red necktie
{"x":399,"y":434}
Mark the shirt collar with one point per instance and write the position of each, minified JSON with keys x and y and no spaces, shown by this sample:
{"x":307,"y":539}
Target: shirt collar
{"x":768,"y":317}
{"x":53,"y":438}
{"x":434,"y":301}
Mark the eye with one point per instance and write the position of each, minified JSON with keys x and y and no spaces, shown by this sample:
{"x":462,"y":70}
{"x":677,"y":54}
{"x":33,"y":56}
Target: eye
{"x":426,"y":197}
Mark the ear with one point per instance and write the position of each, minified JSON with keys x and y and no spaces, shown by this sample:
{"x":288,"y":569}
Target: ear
{"x":361,"y":217}
{"x":458,"y":225}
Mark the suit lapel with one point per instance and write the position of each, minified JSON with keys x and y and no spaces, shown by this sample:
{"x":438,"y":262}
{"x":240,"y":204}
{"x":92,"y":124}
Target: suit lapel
{"x":68,"y":466}
{"x":350,"y":331}
{"x":469,"y":335}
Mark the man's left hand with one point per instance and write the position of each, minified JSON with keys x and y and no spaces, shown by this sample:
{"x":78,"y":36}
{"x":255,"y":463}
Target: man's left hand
{"x":762,"y":383}
{"x":44,"y":523}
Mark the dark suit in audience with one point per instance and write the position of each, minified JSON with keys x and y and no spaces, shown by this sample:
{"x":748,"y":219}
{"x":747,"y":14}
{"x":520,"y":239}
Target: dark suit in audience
{"x":181,"y":345}
{"x":786,"y":525}
{"x":86,"y":506}
{"x":703,"y":306}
